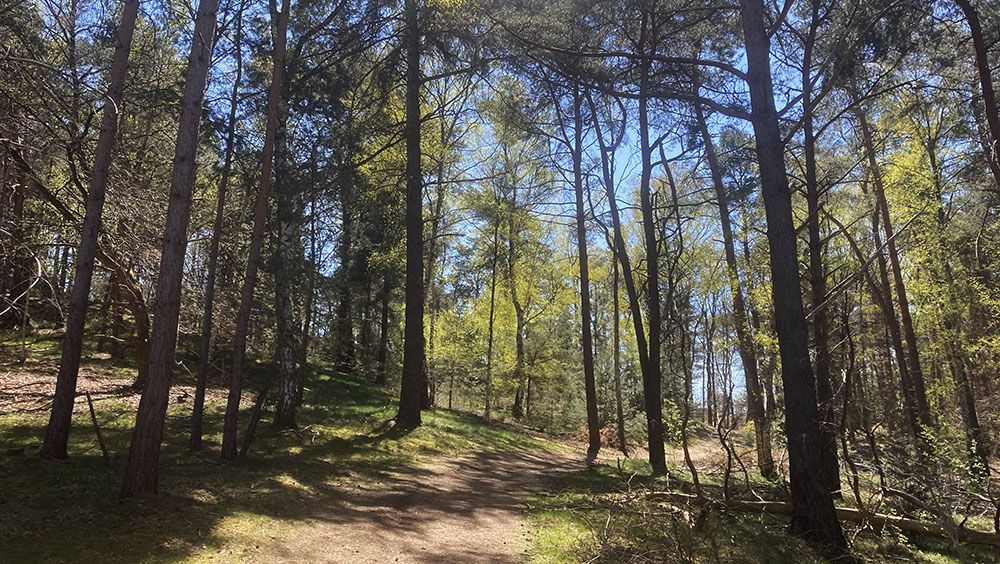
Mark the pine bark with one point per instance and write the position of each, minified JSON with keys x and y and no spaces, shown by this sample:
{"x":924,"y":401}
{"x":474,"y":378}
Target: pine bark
{"x":57,"y":432}
{"x":411,"y":388}
{"x":229,"y":429}
{"x":744,"y":338}
{"x":141,"y":474}
{"x":813,"y":515}
{"x":205,"y":341}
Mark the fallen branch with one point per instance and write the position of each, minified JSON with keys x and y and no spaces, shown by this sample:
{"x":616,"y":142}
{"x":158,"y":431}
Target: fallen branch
{"x":97,"y":428}
{"x":878,"y":520}
{"x":258,"y":408}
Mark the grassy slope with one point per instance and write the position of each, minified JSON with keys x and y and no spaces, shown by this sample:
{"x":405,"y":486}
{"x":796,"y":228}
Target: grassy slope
{"x":70,"y":510}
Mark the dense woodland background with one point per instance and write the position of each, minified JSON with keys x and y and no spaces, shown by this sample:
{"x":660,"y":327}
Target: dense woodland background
{"x":629,"y":221}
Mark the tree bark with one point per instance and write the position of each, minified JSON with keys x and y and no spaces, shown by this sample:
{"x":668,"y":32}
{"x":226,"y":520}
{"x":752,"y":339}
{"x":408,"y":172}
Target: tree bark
{"x":616,"y":353}
{"x":411,"y":388}
{"x":229,"y":430}
{"x":817,"y":270}
{"x":985,"y":74}
{"x":744,"y":338}
{"x":586,"y":326}
{"x":141,"y":474}
{"x":57,"y":432}
{"x":307,"y":305}
{"x":489,"y":339}
{"x":813,"y":515}
{"x":286,"y":261}
{"x":344,"y":360}
{"x":383,"y":336}
{"x":652,"y":383}
{"x":205,"y":341}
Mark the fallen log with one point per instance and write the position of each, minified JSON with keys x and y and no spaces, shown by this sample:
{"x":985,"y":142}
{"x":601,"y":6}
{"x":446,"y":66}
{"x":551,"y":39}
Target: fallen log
{"x":877,"y":520}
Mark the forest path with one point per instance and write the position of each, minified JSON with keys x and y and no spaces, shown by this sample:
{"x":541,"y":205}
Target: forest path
{"x":465,"y":510}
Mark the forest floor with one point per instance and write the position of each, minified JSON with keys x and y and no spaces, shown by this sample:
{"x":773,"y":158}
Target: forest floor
{"x":347,"y":488}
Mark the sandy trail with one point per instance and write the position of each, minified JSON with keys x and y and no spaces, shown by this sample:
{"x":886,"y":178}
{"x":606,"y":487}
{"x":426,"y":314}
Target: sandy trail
{"x":468,"y":510}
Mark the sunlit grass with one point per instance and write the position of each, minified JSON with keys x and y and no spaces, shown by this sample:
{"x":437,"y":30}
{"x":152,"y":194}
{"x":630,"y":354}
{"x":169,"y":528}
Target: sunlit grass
{"x":206,"y":509}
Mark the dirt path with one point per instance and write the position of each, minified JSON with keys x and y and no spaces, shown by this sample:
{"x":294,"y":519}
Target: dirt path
{"x":468,"y":510}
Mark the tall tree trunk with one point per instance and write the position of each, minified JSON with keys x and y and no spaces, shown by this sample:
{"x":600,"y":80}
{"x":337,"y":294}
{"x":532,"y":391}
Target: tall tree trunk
{"x":141,"y":469}
{"x":651,"y":379}
{"x":813,"y":515}
{"x":432,"y":257}
{"x":489,"y":339}
{"x":517,"y":409}
{"x":383,"y":335}
{"x":411,"y":388}
{"x":654,"y":418}
{"x":205,"y":341}
{"x":817,"y":270}
{"x":229,"y":429}
{"x":286,"y":263}
{"x":914,"y":390}
{"x":744,"y":339}
{"x":310,"y":296}
{"x":57,"y":432}
{"x":985,"y":73}
{"x":344,"y":360}
{"x":586,"y":327}
{"x":616,"y":354}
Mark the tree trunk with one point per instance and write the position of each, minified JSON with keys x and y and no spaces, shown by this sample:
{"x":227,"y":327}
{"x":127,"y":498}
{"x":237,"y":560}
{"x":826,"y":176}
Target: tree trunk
{"x":286,"y":261}
{"x":205,"y":341}
{"x":651,"y":378}
{"x":429,"y":284}
{"x":307,"y":306}
{"x":586,"y":327}
{"x":229,"y":430}
{"x":914,"y":390}
{"x":489,"y":339}
{"x":344,"y":360}
{"x":616,"y":354}
{"x":985,"y":83}
{"x":57,"y":432}
{"x":654,"y":418}
{"x":744,"y":338}
{"x":817,"y":270}
{"x":411,"y":388}
{"x":517,"y":409}
{"x":383,"y":336}
{"x":813,"y":515}
{"x":141,"y":469}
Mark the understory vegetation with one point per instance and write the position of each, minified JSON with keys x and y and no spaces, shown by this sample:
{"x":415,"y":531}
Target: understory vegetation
{"x":253,"y":253}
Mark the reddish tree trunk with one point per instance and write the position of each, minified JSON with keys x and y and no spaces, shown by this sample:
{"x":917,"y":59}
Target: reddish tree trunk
{"x":141,"y":469}
{"x":57,"y":432}
{"x":205,"y":342}
{"x":229,"y":428}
